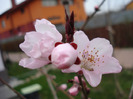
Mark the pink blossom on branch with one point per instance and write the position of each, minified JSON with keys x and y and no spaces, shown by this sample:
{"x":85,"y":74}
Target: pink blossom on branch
{"x":39,"y":44}
{"x":96,"y":58}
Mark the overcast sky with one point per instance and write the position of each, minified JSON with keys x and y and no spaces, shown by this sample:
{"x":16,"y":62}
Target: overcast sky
{"x":112,"y":5}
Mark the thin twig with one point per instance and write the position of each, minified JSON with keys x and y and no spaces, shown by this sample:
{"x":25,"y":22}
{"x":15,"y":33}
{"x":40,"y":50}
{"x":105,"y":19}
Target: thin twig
{"x":120,"y":90}
{"x":90,"y":17}
{"x":50,"y":83}
{"x":55,"y":84}
{"x":5,"y":83}
{"x":118,"y":87}
{"x":83,"y":88}
{"x":131,"y":92}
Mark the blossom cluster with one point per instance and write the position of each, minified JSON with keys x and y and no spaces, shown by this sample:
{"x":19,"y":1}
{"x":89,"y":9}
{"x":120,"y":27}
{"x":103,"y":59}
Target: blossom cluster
{"x":91,"y":57}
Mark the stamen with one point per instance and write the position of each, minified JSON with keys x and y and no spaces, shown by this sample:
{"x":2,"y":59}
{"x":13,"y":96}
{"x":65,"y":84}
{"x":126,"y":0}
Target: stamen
{"x":90,"y":60}
{"x":91,"y":69}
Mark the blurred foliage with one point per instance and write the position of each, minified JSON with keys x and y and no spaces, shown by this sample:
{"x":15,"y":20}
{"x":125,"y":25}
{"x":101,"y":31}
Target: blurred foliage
{"x":14,"y":70}
{"x":106,"y":89}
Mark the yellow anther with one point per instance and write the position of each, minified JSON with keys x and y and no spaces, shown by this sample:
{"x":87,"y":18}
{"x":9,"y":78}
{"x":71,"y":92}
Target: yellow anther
{"x":92,"y":57}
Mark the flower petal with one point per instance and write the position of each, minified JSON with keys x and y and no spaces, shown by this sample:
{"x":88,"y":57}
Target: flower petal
{"x":93,"y":78}
{"x":110,"y":65}
{"x":73,"y":68}
{"x":73,"y":90}
{"x":81,"y":39}
{"x":101,"y":45}
{"x":46,"y":45}
{"x":32,"y":63}
{"x":44,"y":26}
{"x":30,"y":40}
{"x":35,"y":52}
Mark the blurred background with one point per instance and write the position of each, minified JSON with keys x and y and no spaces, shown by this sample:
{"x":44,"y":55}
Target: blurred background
{"x":113,"y":21}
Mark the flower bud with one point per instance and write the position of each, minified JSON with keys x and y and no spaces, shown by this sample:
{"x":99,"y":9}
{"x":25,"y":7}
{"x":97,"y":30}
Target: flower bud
{"x":63,"y":86}
{"x":63,"y":56}
{"x":73,"y":90}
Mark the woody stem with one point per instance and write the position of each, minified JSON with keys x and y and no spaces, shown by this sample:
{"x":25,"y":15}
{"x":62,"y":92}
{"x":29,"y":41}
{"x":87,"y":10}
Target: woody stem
{"x":83,"y":88}
{"x":5,"y":83}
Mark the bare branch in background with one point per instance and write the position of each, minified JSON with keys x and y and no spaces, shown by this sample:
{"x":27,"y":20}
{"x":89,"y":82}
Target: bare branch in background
{"x":131,"y":92}
{"x":50,"y":84}
{"x":5,"y":83}
{"x":90,"y":17}
{"x":55,"y":84}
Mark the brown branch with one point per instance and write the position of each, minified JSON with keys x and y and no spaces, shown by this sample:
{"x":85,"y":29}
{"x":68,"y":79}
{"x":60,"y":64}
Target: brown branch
{"x":83,"y":88}
{"x":5,"y":83}
{"x":50,"y":83}
{"x":90,"y":17}
{"x":55,"y":84}
{"x":120,"y":90}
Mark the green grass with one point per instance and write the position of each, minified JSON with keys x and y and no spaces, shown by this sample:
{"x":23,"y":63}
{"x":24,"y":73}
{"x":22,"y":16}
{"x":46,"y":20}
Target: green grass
{"x":14,"y":70}
{"x":106,"y":90}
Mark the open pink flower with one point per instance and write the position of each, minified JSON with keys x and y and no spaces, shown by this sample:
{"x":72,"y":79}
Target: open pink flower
{"x":39,"y":44}
{"x":96,"y":58}
{"x":63,"y":56}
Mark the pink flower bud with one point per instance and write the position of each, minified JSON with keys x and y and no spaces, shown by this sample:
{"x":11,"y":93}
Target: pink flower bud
{"x":63,"y":86}
{"x":63,"y":56}
{"x":73,"y":90}
{"x":76,"y":79}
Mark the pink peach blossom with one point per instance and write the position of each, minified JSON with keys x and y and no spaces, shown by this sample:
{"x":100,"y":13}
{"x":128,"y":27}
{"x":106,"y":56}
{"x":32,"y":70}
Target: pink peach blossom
{"x":39,"y":44}
{"x":63,"y":56}
{"x":96,"y":58}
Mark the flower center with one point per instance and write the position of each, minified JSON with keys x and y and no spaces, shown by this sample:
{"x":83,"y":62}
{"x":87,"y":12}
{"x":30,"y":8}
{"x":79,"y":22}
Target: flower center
{"x":90,"y":59}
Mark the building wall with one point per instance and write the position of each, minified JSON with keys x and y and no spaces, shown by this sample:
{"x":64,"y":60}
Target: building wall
{"x":129,"y":6}
{"x":7,"y":21}
{"x":23,"y":16}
